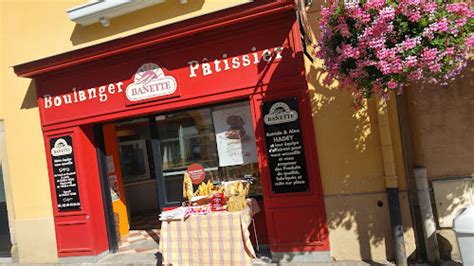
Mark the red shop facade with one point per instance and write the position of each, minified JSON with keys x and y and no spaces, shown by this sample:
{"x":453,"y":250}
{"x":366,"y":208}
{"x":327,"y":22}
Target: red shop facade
{"x":249,"y":54}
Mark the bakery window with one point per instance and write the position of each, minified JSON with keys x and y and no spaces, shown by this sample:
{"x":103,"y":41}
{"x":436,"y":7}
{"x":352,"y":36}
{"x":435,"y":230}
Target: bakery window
{"x":220,"y":138}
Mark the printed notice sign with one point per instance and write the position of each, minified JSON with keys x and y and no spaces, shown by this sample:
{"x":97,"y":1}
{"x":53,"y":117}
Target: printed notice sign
{"x":284,"y":143}
{"x":64,"y":170}
{"x":234,"y":135}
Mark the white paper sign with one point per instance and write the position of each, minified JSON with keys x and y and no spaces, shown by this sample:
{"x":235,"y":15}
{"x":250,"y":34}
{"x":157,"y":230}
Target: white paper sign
{"x":110,"y":164}
{"x":234,"y":135}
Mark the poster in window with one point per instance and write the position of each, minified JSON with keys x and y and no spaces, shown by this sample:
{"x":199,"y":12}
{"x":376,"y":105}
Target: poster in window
{"x":110,"y":164}
{"x":114,"y":189}
{"x":234,"y":135}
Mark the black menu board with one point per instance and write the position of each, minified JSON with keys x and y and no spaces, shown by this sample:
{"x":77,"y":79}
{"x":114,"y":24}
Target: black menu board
{"x":284,"y":144}
{"x":64,"y":170}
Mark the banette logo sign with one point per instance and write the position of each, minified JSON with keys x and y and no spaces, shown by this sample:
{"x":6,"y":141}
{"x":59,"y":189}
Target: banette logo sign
{"x":61,"y":148}
{"x":280,"y":113}
{"x":150,"y":82}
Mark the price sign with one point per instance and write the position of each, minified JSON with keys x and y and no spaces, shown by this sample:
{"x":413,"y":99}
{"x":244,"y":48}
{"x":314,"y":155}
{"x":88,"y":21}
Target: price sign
{"x":196,"y":172}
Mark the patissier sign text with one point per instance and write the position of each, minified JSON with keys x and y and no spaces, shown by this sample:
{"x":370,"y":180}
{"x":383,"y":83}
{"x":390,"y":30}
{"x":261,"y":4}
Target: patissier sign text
{"x":225,"y":63}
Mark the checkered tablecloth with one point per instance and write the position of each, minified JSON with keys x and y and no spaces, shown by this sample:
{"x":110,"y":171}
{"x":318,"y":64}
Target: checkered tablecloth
{"x":219,"y":238}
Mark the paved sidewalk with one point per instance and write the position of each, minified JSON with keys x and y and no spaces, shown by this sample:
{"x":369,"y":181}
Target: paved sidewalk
{"x":149,"y":259}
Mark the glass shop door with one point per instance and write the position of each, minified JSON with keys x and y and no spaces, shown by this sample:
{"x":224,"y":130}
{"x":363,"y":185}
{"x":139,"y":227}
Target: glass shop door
{"x":179,"y":140}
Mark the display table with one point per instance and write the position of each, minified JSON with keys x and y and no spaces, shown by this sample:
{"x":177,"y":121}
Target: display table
{"x":219,"y":238}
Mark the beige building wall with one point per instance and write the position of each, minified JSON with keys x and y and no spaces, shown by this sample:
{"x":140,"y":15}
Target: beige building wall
{"x":36,"y":29}
{"x":441,"y":121}
{"x":352,"y":170}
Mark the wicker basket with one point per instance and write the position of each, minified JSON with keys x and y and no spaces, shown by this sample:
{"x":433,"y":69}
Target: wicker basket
{"x":236,"y":203}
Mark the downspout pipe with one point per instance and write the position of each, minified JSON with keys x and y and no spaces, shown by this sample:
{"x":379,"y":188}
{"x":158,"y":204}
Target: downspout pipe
{"x":426,"y":211}
{"x":391,"y":182}
{"x":405,"y":143}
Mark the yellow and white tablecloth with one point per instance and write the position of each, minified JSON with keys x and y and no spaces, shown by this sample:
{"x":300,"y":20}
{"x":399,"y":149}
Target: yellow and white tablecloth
{"x":219,"y":238}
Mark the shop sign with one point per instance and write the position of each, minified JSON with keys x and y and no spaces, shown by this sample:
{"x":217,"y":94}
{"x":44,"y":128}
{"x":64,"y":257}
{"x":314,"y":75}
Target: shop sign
{"x":196,"y":173}
{"x":150,"y":82}
{"x":101,"y":94}
{"x":284,"y":143}
{"x":280,"y":113}
{"x":64,"y":171}
{"x":225,"y":63}
{"x":214,"y":69}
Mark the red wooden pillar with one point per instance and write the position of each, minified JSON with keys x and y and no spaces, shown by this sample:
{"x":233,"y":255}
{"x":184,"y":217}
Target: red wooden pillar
{"x":80,"y":230}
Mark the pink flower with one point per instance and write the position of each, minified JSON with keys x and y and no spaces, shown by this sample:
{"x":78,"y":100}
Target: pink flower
{"x":348,"y":51}
{"x":364,"y":17}
{"x":442,"y":25}
{"x":363,"y":63}
{"x":411,"y":61}
{"x":386,"y":54}
{"x":373,"y":29}
{"x":414,"y":16}
{"x":343,"y":28}
{"x":326,"y":12}
{"x":387,"y":14}
{"x":384,"y":67}
{"x":450,"y":51}
{"x":377,"y":43}
{"x":410,"y":2}
{"x":396,"y":66}
{"x":428,"y":33}
{"x":469,"y":42}
{"x":392,"y":84}
{"x":461,"y":22}
{"x":410,"y":43}
{"x":374,"y":4}
{"x":430,"y":7}
{"x":415,"y":75}
{"x":350,"y":6}
{"x":458,"y":8}
{"x":429,"y":55}
{"x":434,"y":66}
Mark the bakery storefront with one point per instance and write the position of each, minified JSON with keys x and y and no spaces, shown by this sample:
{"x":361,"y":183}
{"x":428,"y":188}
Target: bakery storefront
{"x":124,"y":120}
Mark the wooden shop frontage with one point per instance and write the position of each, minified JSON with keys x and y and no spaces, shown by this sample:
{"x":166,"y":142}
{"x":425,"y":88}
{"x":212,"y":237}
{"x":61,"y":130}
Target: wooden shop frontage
{"x":123,"y":121}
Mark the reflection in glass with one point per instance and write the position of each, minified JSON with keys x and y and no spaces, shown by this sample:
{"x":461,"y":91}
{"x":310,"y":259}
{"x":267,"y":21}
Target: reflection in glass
{"x":189,"y":137}
{"x":134,"y":160}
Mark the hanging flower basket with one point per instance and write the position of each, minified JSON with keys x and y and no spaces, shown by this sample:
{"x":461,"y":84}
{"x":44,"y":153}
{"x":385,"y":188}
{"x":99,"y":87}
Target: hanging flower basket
{"x":375,"y":47}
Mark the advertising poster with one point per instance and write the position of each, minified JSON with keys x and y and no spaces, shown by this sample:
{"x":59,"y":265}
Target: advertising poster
{"x":65,"y":176}
{"x":234,"y":135}
{"x":285,"y":150}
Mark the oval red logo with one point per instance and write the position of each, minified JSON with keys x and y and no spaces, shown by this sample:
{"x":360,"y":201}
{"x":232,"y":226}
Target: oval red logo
{"x":196,"y":172}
